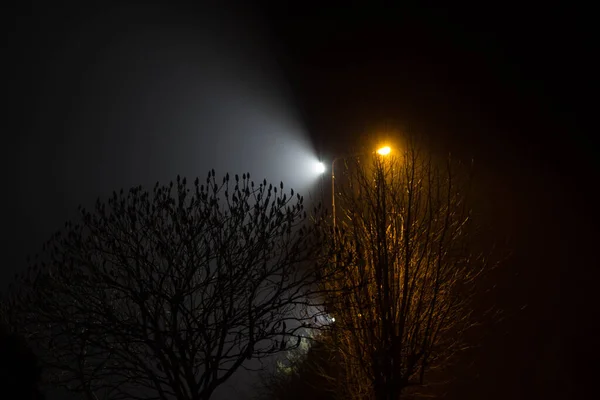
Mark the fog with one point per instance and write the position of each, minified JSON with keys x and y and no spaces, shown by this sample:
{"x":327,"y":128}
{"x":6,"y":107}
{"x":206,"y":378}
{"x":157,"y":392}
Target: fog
{"x":136,"y":95}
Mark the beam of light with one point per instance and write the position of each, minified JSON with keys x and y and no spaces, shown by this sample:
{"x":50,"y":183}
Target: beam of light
{"x":292,"y":160}
{"x":384,"y":151}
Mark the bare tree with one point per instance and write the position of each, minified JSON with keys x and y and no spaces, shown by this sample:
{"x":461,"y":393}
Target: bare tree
{"x":166,"y":294}
{"x":404,"y":264}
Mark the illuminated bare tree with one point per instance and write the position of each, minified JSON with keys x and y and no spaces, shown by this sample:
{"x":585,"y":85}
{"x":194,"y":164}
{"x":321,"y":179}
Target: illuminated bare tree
{"x":166,"y":294}
{"x":404,"y":264}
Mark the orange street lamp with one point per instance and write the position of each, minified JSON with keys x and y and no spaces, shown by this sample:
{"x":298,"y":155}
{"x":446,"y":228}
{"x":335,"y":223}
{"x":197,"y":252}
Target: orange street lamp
{"x":384,"y":151}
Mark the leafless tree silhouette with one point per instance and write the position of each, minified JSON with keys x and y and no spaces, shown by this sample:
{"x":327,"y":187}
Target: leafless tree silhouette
{"x":166,"y":294}
{"x":404,"y":265}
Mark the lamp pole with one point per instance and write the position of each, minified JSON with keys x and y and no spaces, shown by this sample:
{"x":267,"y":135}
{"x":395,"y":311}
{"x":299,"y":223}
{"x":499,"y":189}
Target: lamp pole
{"x":382,"y":151}
{"x":333,"y":191}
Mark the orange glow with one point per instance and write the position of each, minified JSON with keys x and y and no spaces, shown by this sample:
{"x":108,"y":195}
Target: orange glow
{"x":384,"y":151}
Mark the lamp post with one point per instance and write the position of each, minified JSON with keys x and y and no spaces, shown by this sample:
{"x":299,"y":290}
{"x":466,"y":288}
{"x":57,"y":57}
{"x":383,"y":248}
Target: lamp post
{"x":333,"y":190}
{"x":383,"y":151}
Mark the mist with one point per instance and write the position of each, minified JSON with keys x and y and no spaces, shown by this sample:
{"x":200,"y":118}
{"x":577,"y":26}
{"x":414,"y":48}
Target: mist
{"x":135,"y":95}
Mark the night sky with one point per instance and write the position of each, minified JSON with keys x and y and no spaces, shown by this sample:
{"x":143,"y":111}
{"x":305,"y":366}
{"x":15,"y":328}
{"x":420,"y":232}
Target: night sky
{"x":104,"y":97}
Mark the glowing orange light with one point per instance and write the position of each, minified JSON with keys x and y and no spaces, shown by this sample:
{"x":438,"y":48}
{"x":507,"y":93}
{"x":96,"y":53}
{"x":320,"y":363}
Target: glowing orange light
{"x":384,"y":151}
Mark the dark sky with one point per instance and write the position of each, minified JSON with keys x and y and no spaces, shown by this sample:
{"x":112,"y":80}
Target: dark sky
{"x":111,"y":96}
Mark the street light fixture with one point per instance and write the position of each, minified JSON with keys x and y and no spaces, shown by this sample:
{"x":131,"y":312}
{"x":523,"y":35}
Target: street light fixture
{"x":319,"y":167}
{"x":384,"y":151}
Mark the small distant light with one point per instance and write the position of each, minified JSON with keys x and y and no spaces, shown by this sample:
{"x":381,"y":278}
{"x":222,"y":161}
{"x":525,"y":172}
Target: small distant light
{"x":319,"y":168}
{"x":384,"y":151}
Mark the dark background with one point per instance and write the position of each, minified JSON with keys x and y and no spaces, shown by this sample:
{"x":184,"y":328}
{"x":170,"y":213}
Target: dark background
{"x":510,"y":85}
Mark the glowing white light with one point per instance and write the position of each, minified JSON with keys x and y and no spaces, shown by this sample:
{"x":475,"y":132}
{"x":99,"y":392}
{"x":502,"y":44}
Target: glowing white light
{"x":329,"y":319}
{"x":319,"y":167}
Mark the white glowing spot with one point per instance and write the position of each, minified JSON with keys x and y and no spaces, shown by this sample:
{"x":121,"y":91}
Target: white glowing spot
{"x":319,"y":167}
{"x":329,"y":319}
